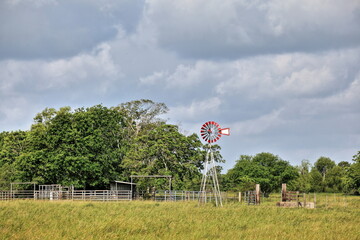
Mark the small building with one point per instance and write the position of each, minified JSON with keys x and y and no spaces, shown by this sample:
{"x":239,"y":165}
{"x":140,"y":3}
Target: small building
{"x":120,"y":185}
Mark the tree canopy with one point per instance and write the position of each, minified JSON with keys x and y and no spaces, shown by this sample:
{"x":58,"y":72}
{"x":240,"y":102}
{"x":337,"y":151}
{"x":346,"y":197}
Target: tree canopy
{"x":266,"y":169}
{"x":90,"y":147}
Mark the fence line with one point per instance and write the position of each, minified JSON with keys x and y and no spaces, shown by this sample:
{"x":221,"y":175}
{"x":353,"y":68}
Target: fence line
{"x":111,"y":195}
{"x":322,"y":200}
{"x":84,"y":195}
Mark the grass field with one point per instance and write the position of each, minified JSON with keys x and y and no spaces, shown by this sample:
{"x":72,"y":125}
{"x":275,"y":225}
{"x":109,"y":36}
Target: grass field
{"x":28,"y":219}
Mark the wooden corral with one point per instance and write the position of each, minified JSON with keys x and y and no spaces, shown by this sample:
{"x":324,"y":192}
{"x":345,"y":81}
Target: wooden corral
{"x":293,"y":199}
{"x":252,"y":197}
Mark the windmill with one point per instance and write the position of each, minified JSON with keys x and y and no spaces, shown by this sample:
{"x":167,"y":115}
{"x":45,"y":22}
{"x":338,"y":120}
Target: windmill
{"x":211,"y":132}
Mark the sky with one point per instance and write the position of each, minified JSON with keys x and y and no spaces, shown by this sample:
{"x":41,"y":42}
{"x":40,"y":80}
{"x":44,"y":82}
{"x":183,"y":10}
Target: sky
{"x":284,"y":76}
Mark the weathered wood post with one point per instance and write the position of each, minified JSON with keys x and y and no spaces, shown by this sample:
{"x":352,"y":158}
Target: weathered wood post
{"x":283,"y":192}
{"x":298,"y":198}
{"x":257,"y":190}
{"x":239,"y":197}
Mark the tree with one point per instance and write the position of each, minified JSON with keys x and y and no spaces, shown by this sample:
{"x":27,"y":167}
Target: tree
{"x":142,"y":114}
{"x":165,"y":151}
{"x":242,"y":176}
{"x":12,"y":145}
{"x":344,"y":164}
{"x":303,"y":182}
{"x":356,"y":158}
{"x":316,"y":180}
{"x":334,"y":179}
{"x":7,"y":175}
{"x":323,"y":165}
{"x":83,"y":148}
{"x":266,"y":169}
{"x":352,"y":176}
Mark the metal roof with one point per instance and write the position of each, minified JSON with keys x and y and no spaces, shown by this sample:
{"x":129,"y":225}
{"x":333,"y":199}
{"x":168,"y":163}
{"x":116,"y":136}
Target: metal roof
{"x":125,"y":182}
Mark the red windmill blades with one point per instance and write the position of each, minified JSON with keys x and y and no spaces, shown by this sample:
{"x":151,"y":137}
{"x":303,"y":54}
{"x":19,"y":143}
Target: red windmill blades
{"x":211,"y":131}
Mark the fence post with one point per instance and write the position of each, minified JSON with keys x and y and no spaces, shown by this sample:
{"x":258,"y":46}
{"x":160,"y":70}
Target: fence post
{"x":11,"y":191}
{"x":239,"y":197}
{"x":283,"y":192}
{"x":298,"y":197}
{"x":257,"y":189}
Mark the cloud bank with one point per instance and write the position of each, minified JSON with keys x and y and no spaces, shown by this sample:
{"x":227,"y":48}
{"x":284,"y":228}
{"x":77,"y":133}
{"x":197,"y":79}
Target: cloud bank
{"x":284,"y":76}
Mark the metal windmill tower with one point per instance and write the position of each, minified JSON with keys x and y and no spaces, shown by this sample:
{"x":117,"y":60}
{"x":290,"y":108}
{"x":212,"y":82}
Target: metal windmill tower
{"x":211,"y":132}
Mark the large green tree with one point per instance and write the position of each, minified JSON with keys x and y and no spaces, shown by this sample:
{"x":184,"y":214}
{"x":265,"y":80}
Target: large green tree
{"x":323,"y":165}
{"x":89,"y":147}
{"x":165,"y":151}
{"x":352,"y":177}
{"x":303,"y":182}
{"x":83,"y":148}
{"x":330,"y":175}
{"x":266,"y":169}
{"x":12,"y":145}
{"x":142,"y":115}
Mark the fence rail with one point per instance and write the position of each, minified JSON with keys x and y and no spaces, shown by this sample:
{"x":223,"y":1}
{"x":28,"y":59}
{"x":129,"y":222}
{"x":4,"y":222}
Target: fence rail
{"x":112,"y":195}
{"x":183,"y":196}
{"x":320,"y":200}
{"x":84,"y":195}
{"x":101,"y":195}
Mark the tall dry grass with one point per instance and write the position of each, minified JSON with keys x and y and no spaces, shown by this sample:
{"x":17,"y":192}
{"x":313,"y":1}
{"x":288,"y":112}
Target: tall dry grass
{"x":28,"y":219}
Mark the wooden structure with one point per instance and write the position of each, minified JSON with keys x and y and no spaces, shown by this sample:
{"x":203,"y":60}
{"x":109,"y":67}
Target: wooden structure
{"x":252,"y":197}
{"x":293,"y":199}
{"x":120,"y":185}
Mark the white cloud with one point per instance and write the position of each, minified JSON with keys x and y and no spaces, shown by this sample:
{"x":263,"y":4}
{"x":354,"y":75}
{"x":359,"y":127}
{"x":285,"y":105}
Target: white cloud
{"x":154,"y":78}
{"x":24,"y":83}
{"x":275,"y":78}
{"x":46,"y":29}
{"x":233,"y":29}
{"x":57,"y":74}
{"x":196,"y":110}
{"x":288,"y":78}
{"x":184,"y":76}
{"x":292,"y":75}
{"x":258,"y":125}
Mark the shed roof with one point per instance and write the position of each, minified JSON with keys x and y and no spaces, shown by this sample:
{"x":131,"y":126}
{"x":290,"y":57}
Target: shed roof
{"x":125,"y":182}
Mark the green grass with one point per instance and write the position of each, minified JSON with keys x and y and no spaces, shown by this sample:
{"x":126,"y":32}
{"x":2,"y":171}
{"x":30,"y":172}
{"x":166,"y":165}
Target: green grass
{"x":29,"y":219}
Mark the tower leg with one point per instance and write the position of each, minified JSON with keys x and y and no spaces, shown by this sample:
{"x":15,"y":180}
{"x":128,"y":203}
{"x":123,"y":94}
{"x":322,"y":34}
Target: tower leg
{"x":210,"y":173}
